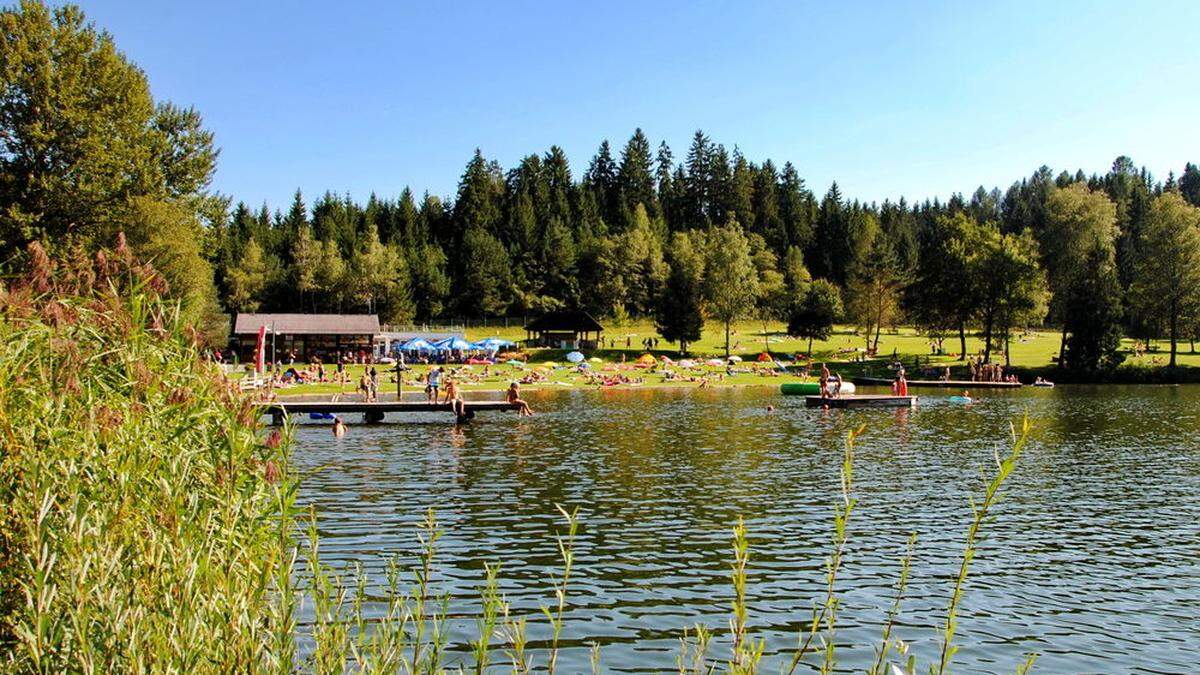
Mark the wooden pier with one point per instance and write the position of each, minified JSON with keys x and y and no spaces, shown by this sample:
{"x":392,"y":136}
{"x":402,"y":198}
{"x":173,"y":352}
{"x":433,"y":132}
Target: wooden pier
{"x":374,"y":412}
{"x":936,"y":384}
{"x":861,"y":401}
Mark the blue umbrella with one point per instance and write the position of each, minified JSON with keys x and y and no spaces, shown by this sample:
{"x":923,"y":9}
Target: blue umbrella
{"x":416,"y":345}
{"x":492,"y":343}
{"x":454,"y":343}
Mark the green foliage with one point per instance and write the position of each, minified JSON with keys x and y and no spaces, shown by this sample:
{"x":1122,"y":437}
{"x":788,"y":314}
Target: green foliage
{"x":81,"y":133}
{"x":86,"y":153}
{"x":1010,"y":286}
{"x":874,"y":291}
{"x":813,"y":314}
{"x":486,"y":275}
{"x":731,"y":284}
{"x":142,"y":509}
{"x":680,"y":313}
{"x":1167,"y":282}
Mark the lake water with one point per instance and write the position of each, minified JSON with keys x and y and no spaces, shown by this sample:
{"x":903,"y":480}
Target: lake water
{"x":1092,"y":560}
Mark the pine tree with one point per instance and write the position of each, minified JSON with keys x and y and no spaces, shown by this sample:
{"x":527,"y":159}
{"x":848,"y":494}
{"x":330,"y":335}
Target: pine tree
{"x":430,"y":282}
{"x":480,"y":198}
{"x":797,"y":208}
{"x":601,"y":180}
{"x":485,"y":285}
{"x":679,"y":312}
{"x":697,"y":184}
{"x":635,"y":178}
{"x":1189,"y":184}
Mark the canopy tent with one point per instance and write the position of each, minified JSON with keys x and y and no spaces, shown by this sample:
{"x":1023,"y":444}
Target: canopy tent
{"x":453,"y":344}
{"x":488,"y":344}
{"x":417,"y":345}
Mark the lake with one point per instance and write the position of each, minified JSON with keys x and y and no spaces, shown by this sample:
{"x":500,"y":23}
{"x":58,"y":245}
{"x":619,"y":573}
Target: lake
{"x":1091,"y":559}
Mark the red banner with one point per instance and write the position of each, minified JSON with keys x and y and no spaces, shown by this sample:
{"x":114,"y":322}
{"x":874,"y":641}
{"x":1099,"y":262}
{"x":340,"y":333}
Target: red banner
{"x":260,"y":351}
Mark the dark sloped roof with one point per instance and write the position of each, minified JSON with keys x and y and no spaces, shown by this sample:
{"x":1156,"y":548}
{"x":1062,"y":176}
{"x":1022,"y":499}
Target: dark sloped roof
{"x":566,"y":320}
{"x":308,"y":324}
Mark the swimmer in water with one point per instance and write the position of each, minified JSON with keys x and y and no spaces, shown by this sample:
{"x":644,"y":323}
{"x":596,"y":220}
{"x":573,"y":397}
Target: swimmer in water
{"x":339,"y":427}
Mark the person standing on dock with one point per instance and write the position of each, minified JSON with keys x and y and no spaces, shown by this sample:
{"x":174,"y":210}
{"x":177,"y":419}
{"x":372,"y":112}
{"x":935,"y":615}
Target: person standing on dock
{"x":824,"y":381}
{"x":433,"y":384}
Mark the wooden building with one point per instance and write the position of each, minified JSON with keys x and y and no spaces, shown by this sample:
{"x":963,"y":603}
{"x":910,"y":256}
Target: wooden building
{"x":322,"y":335}
{"x":567,"y":329}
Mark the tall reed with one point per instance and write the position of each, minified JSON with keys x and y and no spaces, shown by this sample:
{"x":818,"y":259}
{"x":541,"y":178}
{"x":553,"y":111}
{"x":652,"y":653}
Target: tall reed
{"x":150,"y":522}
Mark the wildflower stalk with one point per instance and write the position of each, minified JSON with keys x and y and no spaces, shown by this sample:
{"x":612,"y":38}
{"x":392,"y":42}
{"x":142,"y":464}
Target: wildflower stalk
{"x":428,"y":535}
{"x":566,"y":551}
{"x":1004,"y":467}
{"x":825,"y":619}
{"x":901,"y":585}
{"x":486,"y":624}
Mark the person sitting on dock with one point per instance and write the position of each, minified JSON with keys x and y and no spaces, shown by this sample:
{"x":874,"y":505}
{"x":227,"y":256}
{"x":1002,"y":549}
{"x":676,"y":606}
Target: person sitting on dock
{"x":836,"y":381}
{"x":454,"y":397}
{"x":514,"y":396}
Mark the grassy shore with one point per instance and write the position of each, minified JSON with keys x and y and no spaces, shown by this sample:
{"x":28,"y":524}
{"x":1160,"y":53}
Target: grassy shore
{"x":1031,"y":355}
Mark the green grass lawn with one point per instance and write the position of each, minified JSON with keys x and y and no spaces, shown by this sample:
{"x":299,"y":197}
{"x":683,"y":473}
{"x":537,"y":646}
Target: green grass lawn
{"x":1032,"y":350}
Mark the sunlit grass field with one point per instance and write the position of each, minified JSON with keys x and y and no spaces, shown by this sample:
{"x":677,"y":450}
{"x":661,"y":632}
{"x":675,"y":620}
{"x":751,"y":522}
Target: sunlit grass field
{"x":844,"y":351}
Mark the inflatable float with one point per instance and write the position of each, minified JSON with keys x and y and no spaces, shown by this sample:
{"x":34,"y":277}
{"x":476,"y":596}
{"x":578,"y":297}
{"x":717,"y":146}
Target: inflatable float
{"x":810,"y":388}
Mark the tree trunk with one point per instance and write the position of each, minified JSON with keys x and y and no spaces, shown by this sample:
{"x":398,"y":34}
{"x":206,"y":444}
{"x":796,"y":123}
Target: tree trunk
{"x":727,"y":339}
{"x":1062,"y":345}
{"x":1174,"y":331}
{"x":987,"y":339}
{"x":962,"y":341}
{"x":810,"y":348}
{"x":1007,"y":361}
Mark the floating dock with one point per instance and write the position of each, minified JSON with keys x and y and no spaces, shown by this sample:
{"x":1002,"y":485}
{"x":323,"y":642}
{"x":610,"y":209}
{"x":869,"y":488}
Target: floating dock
{"x":936,"y":384}
{"x":375,"y":411}
{"x":861,"y":401}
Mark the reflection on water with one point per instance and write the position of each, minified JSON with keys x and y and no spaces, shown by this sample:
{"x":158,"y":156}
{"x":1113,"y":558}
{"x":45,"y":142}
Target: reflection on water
{"x":1091,"y":560}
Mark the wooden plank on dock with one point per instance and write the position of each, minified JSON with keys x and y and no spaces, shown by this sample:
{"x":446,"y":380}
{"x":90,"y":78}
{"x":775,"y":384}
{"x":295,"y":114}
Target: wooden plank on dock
{"x":298,"y":407}
{"x":936,"y":384}
{"x":861,"y":401}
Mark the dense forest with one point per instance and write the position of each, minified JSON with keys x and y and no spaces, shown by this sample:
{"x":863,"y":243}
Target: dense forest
{"x":88,"y":157}
{"x":716,"y":235}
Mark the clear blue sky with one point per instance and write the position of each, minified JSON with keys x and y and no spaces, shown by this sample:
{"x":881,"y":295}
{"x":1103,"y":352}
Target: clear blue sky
{"x":889,"y":99}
